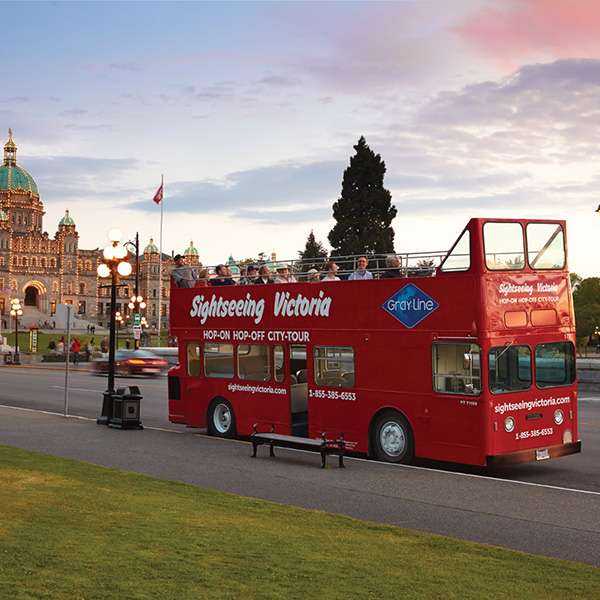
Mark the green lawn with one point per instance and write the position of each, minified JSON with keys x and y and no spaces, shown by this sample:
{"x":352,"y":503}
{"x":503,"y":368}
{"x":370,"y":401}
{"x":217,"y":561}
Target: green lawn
{"x":73,"y":530}
{"x":45,"y":338}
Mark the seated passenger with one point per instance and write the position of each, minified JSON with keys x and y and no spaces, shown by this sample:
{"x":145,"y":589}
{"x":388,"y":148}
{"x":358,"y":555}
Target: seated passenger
{"x":332,"y":270}
{"x":312,"y":276}
{"x":203,"y":278}
{"x":183,"y":275}
{"x":284,"y":275}
{"x":361,"y":272}
{"x":250,"y":275}
{"x":264,"y":275}
{"x":223,"y":276}
{"x":392,"y":262}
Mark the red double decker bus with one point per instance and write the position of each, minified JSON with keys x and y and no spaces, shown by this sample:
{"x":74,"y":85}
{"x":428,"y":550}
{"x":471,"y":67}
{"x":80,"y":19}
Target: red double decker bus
{"x":470,"y":361}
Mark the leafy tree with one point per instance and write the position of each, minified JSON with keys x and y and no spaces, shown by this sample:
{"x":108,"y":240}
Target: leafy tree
{"x":364,"y":211}
{"x":586,"y":301}
{"x":575,"y":280}
{"x":314,"y":254}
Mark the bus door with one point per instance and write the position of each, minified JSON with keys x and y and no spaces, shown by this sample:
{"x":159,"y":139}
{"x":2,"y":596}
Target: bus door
{"x":458,"y":405}
{"x":298,"y":390}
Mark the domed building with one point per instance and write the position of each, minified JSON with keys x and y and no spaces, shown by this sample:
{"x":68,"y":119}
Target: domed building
{"x":44,"y":271}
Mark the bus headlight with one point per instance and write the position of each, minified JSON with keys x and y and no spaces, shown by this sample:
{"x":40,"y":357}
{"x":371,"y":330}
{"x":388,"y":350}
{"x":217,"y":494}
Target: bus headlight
{"x":567,"y":436}
{"x":509,"y":424}
{"x":558,"y":416}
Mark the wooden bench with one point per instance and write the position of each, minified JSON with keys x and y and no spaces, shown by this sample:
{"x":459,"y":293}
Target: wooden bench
{"x":321,"y":445}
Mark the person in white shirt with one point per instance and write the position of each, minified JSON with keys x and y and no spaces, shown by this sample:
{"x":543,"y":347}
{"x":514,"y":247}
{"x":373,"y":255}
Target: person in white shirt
{"x":284,"y":275}
{"x":361,"y":272}
{"x":331,"y":274}
{"x":312,"y":276}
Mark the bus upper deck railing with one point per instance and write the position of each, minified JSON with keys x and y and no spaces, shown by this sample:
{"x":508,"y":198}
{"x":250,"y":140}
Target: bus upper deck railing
{"x":406,"y":264}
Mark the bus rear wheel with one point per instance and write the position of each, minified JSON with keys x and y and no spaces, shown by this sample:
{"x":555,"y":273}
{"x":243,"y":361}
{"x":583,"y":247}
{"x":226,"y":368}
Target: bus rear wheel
{"x":221,"y":419}
{"x":392,"y":438}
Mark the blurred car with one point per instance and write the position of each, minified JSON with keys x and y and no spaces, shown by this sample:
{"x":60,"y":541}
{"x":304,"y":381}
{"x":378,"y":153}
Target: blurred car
{"x":133,"y":362}
{"x":170,"y":354}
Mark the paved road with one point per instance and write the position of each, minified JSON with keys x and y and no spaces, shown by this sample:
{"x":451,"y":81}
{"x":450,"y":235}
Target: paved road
{"x":538,"y":519}
{"x":34,"y":388}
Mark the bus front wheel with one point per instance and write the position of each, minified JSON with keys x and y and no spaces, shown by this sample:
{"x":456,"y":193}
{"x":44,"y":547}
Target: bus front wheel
{"x":221,"y":419}
{"x":392,"y":439}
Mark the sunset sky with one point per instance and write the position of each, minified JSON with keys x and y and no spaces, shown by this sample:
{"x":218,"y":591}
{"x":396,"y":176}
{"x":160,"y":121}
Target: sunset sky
{"x":251,"y":110}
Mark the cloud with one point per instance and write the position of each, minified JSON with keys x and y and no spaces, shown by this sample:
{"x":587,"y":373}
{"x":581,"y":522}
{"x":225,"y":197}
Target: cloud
{"x":66,"y":178}
{"x":125,"y":66}
{"x":15,"y":100}
{"x":73,"y":112}
{"x":515,"y":32}
{"x":279,"y":193}
{"x":280,"y":81}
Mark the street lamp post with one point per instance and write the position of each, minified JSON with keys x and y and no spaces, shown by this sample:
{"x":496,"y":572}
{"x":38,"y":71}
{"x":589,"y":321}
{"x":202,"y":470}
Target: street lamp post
{"x":16,"y":311}
{"x":119,"y":324}
{"x":114,"y":265}
{"x":136,"y":303}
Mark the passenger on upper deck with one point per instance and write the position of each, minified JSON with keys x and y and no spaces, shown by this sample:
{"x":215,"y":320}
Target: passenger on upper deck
{"x":183,"y":275}
{"x":392,"y":262}
{"x":250,"y":276}
{"x":264,"y":275}
{"x":332,"y":270}
{"x":361,"y":272}
{"x":284,"y":275}
{"x":223,"y":276}
{"x":312,"y":276}
{"x":203,"y":278}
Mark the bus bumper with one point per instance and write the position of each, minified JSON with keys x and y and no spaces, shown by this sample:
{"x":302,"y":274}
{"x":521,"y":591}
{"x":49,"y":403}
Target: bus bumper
{"x":531,"y":455}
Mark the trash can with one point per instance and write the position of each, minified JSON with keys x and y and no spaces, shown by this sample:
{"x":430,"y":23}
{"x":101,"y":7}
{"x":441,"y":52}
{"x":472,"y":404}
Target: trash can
{"x":126,"y":412}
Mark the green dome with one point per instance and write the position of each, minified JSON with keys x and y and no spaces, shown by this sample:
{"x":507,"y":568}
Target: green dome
{"x":191,"y":251}
{"x":14,"y":178}
{"x":151,"y":248}
{"x":235,"y":270}
{"x":66,"y":221}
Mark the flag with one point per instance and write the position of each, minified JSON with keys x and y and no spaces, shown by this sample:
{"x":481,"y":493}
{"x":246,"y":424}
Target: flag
{"x":159,"y":194}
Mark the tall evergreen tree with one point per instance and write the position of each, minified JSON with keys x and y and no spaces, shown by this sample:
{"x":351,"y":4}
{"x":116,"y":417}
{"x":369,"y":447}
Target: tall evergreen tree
{"x":364,"y":212}
{"x":314,"y":253}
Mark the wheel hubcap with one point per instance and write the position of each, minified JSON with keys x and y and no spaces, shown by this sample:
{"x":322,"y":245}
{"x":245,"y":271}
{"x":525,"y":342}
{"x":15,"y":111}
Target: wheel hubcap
{"x":222,"y":418}
{"x":392,"y":438}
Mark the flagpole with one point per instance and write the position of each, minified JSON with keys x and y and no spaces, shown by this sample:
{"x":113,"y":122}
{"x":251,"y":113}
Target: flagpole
{"x":160,"y":251}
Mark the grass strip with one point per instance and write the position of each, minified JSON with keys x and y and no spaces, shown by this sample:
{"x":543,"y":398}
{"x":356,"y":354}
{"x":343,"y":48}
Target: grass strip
{"x":72,"y":530}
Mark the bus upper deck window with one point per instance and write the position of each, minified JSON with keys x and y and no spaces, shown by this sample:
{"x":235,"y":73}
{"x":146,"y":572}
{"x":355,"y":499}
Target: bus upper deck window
{"x":459,"y":258}
{"x":545,"y":246}
{"x":193,"y":359}
{"x":504,"y":250}
{"x":456,"y":368}
{"x":334,"y":366}
{"x":254,"y":362}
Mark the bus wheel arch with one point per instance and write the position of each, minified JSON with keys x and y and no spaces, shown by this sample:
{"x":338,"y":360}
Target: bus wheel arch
{"x":220,"y":418}
{"x":391,"y":436}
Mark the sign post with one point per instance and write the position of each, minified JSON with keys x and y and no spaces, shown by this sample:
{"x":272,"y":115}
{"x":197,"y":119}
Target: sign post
{"x":67,"y":357}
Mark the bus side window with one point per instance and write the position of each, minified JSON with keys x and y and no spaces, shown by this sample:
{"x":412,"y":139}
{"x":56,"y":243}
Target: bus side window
{"x":334,"y":366}
{"x":253,"y":362}
{"x":456,"y":368}
{"x":218,"y":360}
{"x":278,"y":360}
{"x":193,"y":359}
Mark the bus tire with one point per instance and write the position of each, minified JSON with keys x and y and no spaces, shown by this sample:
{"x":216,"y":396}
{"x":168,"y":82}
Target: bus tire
{"x":392,"y":438}
{"x":221,"y":419}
